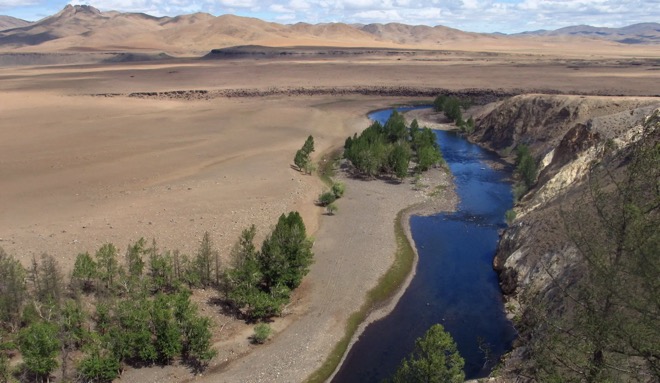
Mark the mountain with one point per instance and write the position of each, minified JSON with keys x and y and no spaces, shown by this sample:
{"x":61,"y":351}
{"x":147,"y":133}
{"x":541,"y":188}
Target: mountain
{"x":643,"y":33}
{"x":85,"y":28}
{"x":8,"y":22}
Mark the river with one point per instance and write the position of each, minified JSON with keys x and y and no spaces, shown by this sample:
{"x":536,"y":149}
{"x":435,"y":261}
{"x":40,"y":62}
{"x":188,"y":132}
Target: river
{"x":454,"y":284}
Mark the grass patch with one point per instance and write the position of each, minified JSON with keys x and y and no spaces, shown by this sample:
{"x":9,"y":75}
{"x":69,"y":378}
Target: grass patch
{"x":414,"y":103}
{"x":385,"y":289}
{"x":438,"y":191}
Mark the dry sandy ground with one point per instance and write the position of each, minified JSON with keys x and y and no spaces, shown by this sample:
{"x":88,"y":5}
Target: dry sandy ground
{"x":78,"y":171}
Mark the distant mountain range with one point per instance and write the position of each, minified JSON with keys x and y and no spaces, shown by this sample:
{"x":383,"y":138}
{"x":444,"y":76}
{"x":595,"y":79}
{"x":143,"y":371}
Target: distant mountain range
{"x":643,"y":33}
{"x":85,"y":28}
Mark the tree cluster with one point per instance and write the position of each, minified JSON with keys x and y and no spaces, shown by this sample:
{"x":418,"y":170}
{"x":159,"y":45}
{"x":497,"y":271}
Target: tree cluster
{"x":302,"y":158}
{"x":453,"y":107}
{"x":260,"y":282}
{"x":143,"y":312}
{"x":389,"y":149}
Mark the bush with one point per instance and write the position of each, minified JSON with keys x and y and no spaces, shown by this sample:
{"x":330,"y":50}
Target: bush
{"x":338,"y":189}
{"x":510,"y":216}
{"x":331,"y":209}
{"x":100,"y":366}
{"x":261,"y":333}
{"x":326,"y":198}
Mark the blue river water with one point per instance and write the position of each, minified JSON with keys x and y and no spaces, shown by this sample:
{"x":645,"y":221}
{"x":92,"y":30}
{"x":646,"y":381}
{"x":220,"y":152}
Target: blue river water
{"x":454,"y":284}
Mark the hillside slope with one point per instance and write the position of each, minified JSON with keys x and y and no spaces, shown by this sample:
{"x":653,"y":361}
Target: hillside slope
{"x":8,"y":22}
{"x":584,"y":146}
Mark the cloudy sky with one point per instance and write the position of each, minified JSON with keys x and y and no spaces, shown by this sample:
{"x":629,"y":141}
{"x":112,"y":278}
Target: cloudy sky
{"x":508,"y":16}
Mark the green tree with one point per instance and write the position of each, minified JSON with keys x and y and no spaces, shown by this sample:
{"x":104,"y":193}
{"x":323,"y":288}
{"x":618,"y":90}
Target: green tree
{"x":428,"y":156}
{"x":84,"y":272}
{"x":452,"y":110}
{"x":400,"y":159}
{"x":134,"y":261}
{"x":48,"y":284}
{"x":308,"y":146}
{"x":72,"y":333}
{"x":435,"y":359}
{"x":99,"y":366}
{"x":245,"y":276}
{"x":526,"y":166}
{"x":287,"y":253}
{"x":12,"y":290}
{"x":160,"y":271}
{"x":131,"y":336}
{"x":206,"y":257}
{"x":302,"y":159}
{"x":395,"y":128}
{"x":168,"y":337}
{"x":195,"y":331}
{"x":39,"y":346}
{"x":107,"y":265}
{"x":439,"y":103}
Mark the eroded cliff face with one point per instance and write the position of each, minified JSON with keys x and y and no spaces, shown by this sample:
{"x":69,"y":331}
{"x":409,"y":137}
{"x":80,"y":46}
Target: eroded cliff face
{"x":566,"y":135}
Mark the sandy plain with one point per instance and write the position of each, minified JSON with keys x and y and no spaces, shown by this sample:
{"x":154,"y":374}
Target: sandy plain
{"x":79,"y":170}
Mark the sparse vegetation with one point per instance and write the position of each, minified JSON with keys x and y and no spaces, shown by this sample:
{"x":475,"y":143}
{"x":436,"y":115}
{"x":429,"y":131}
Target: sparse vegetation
{"x":510,"y":216}
{"x":526,"y":171}
{"x":607,"y":330}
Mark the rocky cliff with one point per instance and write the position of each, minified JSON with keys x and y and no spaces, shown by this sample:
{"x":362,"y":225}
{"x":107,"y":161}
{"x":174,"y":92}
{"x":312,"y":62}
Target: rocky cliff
{"x":567,"y":135}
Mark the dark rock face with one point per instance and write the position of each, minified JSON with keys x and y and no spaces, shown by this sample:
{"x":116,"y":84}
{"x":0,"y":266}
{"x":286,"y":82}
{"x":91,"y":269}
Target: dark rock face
{"x":534,"y":120}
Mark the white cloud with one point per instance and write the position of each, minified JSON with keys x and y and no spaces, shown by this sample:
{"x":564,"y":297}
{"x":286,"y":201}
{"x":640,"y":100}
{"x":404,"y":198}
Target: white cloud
{"x":17,"y":3}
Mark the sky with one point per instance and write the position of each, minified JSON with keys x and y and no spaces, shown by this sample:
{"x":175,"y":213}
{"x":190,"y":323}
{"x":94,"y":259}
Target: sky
{"x":507,"y":16}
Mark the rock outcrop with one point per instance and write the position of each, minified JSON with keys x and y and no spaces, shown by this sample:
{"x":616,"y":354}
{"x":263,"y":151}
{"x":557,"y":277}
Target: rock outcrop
{"x":567,"y":135}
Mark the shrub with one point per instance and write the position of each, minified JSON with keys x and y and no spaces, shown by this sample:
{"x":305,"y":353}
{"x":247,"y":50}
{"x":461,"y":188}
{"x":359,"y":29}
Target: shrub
{"x":332,"y":208}
{"x":326,"y":198}
{"x":510,"y":215}
{"x":338,"y":189}
{"x":261,"y":333}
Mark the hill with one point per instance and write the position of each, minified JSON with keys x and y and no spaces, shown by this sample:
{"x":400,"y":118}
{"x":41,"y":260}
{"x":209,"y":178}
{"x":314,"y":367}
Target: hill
{"x":83,"y":28}
{"x":643,"y":33}
{"x":8,"y":22}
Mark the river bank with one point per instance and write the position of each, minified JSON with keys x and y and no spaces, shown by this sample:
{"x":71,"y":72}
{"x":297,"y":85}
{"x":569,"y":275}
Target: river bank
{"x":353,"y":250}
